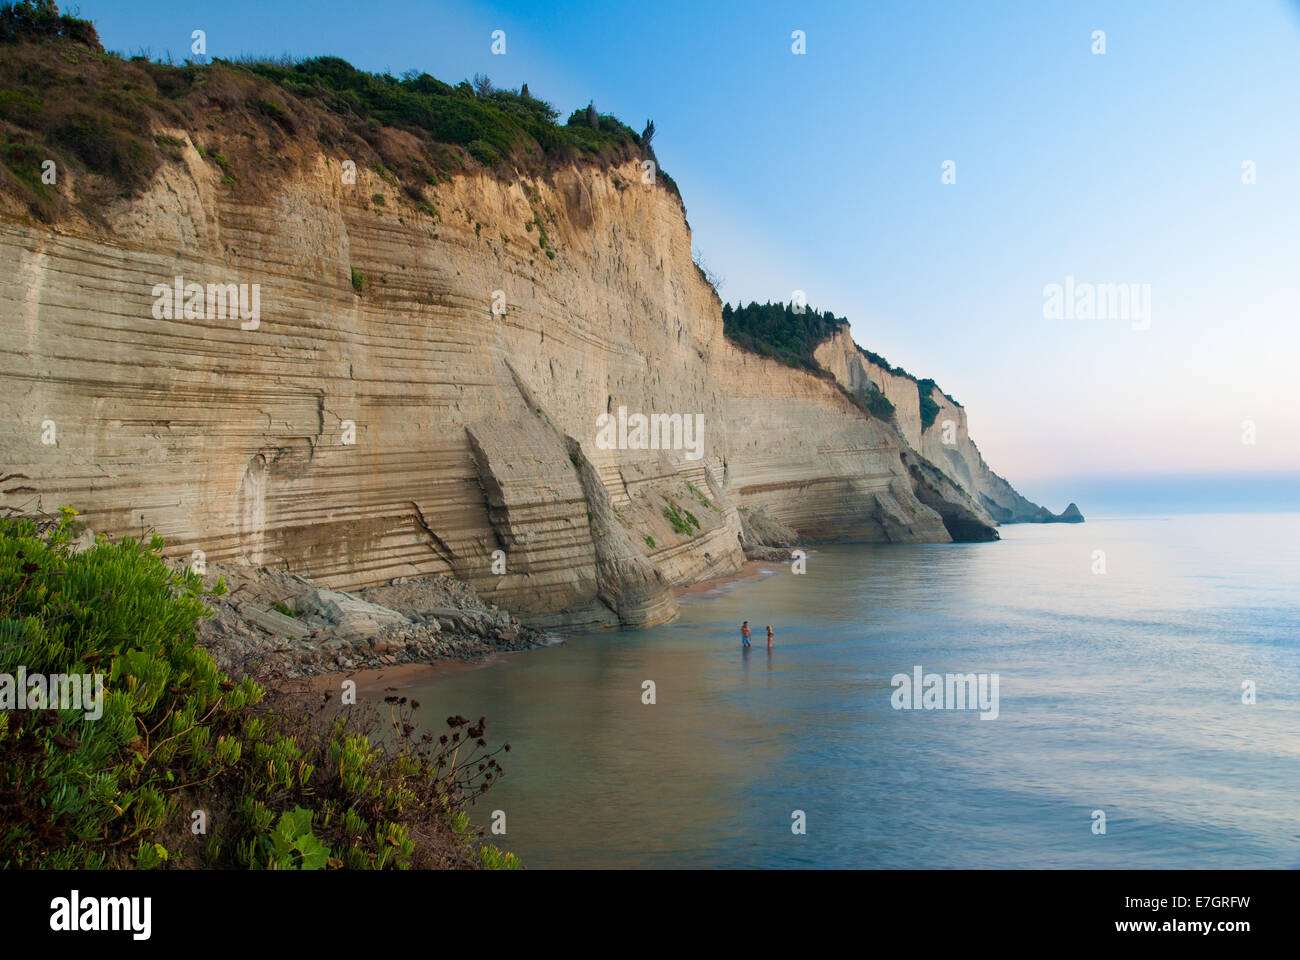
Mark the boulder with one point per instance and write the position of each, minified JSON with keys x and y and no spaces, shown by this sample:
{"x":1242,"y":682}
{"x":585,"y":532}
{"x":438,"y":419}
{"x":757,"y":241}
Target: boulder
{"x":350,"y":616}
{"x":272,"y":621}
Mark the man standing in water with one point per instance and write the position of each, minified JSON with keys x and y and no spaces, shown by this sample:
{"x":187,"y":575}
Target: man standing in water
{"x":769,"y":636}
{"x":744,"y":634}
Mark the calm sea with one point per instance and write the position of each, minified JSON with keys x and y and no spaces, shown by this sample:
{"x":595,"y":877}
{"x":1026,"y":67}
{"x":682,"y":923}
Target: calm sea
{"x":1119,"y":692}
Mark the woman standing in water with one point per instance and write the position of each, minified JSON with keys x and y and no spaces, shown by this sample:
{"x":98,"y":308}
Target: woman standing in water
{"x":769,"y":636}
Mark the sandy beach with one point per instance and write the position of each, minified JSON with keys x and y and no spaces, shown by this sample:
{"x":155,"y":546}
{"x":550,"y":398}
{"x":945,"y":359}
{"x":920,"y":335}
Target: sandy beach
{"x":749,"y":570}
{"x":382,"y":680}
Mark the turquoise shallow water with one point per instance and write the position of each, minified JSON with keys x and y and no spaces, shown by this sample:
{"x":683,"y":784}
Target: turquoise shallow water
{"x":1118,"y":692}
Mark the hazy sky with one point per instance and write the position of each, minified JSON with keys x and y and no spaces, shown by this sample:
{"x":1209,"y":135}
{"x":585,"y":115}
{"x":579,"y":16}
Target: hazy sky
{"x":822,"y":172}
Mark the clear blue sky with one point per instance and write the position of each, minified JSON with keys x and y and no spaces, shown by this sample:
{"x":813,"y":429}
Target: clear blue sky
{"x":821,"y":173}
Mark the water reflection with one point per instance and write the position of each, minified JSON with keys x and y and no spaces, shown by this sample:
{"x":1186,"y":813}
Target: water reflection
{"x":1117,"y":691}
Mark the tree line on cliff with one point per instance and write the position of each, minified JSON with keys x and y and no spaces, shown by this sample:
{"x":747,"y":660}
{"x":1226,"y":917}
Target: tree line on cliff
{"x":790,"y":333}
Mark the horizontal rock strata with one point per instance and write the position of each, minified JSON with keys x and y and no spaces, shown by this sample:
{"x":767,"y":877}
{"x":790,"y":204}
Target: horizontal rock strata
{"x":443,"y":418}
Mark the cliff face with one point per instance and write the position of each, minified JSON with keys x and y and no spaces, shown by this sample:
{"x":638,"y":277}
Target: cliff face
{"x":946,"y":442}
{"x":956,"y":454}
{"x":840,"y":355}
{"x":444,"y":419}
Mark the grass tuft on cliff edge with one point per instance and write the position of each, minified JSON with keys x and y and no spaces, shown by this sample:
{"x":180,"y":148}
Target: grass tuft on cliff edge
{"x":176,"y":765}
{"x":110,"y":122}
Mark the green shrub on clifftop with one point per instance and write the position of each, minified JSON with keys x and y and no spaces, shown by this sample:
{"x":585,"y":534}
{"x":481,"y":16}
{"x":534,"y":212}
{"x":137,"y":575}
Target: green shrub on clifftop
{"x":62,"y":94}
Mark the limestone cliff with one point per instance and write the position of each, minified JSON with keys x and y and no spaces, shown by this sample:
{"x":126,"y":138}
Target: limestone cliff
{"x":420,"y":390}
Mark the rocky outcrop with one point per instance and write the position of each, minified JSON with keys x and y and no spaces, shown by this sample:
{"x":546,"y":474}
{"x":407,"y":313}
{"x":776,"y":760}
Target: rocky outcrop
{"x":629,"y":583}
{"x":278,"y":626}
{"x":962,"y":517}
{"x":542,"y":543}
{"x":1070,"y":514}
{"x":350,"y":617}
{"x":419,"y":394}
{"x":758,"y":528}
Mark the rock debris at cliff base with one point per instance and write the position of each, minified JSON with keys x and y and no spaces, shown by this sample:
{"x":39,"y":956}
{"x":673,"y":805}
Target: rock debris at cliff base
{"x":275,"y":625}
